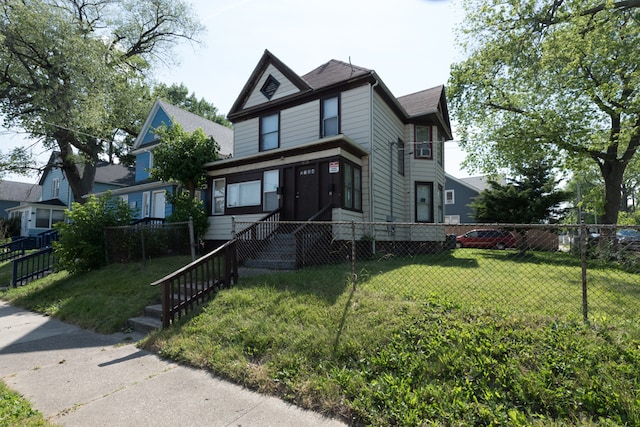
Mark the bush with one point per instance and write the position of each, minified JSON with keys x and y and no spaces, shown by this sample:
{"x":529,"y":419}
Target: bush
{"x":81,"y":246}
{"x":184,"y":207}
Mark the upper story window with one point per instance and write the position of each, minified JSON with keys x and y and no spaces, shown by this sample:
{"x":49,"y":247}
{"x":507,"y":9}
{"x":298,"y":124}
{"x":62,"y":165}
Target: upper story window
{"x":269,"y":132}
{"x":55,"y":188}
{"x":424,"y":144}
{"x":330,"y":117}
{"x":449,"y":197}
{"x":400,"y":151}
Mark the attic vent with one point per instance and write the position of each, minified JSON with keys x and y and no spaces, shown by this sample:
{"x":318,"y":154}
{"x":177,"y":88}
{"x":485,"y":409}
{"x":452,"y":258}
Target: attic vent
{"x":270,"y":86}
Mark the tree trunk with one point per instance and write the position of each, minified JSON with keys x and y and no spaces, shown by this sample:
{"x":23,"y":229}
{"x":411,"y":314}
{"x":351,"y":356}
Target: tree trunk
{"x":612,"y":172}
{"x":80,"y":184}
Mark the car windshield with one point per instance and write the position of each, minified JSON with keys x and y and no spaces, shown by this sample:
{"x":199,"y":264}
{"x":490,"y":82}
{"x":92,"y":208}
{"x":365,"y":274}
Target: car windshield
{"x":628,"y":232}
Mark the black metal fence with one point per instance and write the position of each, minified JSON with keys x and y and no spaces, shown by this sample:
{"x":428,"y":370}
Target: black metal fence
{"x":571,"y":271}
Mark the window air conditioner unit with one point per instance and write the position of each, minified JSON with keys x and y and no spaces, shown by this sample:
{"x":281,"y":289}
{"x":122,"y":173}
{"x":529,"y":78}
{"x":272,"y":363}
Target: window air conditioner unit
{"x":424,"y":152}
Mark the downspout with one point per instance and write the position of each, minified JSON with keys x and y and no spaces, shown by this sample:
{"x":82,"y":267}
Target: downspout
{"x":371,"y":175}
{"x":372,"y":156}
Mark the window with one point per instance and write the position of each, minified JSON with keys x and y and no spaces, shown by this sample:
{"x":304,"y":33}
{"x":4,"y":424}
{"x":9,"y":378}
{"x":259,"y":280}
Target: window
{"x":271,"y":182}
{"x":269,"y":135}
{"x":440,"y":145}
{"x":55,"y":188}
{"x":449,"y":197}
{"x":352,"y":187}
{"x":330,"y":117}
{"x":440,"y":201}
{"x":45,"y":218}
{"x":124,"y":198}
{"x":218,"y":196}
{"x":243,"y":194}
{"x":452,"y":219}
{"x":423,"y":143}
{"x":424,"y":202}
{"x":400,"y":151}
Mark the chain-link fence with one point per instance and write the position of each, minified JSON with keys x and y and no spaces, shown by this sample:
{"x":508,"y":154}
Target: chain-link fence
{"x":565,"y":272}
{"x":143,"y":241}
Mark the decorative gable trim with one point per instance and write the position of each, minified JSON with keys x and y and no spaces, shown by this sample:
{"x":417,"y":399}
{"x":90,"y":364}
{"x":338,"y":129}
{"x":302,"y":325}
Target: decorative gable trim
{"x":270,"y":87}
{"x":267,"y":59}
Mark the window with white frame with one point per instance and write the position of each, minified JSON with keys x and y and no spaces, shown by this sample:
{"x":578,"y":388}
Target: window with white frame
{"x":452,"y":219}
{"x":269,"y":132}
{"x":243,"y":194}
{"x":218,"y":196}
{"x":45,"y":218}
{"x":424,"y":201}
{"x":449,"y":197}
{"x":270,"y":185}
{"x":424,"y":145}
{"x":55,"y":188}
{"x":124,"y":198}
{"x":330,"y":117}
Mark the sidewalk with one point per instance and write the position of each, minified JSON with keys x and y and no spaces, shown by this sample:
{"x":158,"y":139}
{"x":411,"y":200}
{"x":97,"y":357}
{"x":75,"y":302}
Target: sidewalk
{"x":79,"y":378}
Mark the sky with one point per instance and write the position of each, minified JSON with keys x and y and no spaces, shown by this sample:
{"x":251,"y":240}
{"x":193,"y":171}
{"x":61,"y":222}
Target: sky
{"x":409,"y":43}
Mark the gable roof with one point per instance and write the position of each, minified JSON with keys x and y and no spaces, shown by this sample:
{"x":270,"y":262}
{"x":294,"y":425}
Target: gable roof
{"x":428,"y":102}
{"x":334,"y":72}
{"x":15,"y":191}
{"x":429,"y":105}
{"x":189,"y":122}
{"x":106,"y":173}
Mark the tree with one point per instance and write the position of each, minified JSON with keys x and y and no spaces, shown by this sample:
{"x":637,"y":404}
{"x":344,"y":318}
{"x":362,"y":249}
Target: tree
{"x":17,"y":161}
{"x":529,"y":198}
{"x":181,"y":156}
{"x":73,"y":72}
{"x":558,"y":77}
{"x":179,"y":96}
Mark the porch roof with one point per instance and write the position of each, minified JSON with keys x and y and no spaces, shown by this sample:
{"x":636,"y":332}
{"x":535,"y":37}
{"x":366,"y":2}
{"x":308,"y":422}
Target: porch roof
{"x":338,"y":141}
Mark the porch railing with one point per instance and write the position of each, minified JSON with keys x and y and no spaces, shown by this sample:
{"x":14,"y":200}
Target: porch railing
{"x":32,"y":266}
{"x":257,"y":235}
{"x":194,"y":283}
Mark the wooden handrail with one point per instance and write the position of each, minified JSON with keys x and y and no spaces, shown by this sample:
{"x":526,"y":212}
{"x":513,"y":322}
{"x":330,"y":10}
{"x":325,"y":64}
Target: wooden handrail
{"x":268,"y":219}
{"x":194,"y":282}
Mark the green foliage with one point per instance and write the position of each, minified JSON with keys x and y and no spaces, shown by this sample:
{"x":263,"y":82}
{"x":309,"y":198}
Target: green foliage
{"x":75,"y":72}
{"x":81,"y":246}
{"x":9,"y":227}
{"x":18,"y":161}
{"x":179,"y":96}
{"x":15,"y":410}
{"x":550,"y":78}
{"x":185,"y":208}
{"x":532,"y":198}
{"x":181,"y":156}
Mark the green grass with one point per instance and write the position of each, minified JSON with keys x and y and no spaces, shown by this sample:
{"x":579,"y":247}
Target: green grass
{"x":101,"y":301}
{"x":16,"y":411}
{"x":471,"y":338}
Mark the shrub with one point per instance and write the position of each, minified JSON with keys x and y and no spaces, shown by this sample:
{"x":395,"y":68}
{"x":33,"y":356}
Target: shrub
{"x":185,"y":207}
{"x":82,"y":246}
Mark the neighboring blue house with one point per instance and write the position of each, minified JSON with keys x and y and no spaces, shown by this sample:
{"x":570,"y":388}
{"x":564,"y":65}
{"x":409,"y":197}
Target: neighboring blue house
{"x":459,"y":193}
{"x":56,"y":195}
{"x":145,"y":195}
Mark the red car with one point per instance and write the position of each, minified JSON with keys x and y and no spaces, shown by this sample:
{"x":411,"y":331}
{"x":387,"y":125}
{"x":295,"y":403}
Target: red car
{"x":498,"y":239}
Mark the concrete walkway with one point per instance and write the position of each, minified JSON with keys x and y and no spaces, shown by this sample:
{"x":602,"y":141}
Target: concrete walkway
{"x":79,"y":378}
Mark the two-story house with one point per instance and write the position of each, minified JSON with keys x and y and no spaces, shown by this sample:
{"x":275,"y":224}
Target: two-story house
{"x":146,"y":196}
{"x":333,"y":140}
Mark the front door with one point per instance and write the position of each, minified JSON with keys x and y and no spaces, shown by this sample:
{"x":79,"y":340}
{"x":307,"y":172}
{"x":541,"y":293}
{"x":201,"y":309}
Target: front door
{"x":158,"y":204}
{"x":306,"y":192}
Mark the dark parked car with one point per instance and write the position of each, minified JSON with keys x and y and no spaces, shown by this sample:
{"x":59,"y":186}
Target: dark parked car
{"x":629,"y":237}
{"x":498,"y":239}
